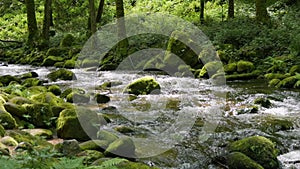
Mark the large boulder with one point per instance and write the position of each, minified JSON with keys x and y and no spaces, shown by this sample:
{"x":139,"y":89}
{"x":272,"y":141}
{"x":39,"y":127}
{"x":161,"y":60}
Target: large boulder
{"x":211,"y":68}
{"x":48,"y":98}
{"x":62,"y":74}
{"x":142,"y":86}
{"x":51,"y":60}
{"x":237,"y":160}
{"x":39,"y":114}
{"x":245,"y":66}
{"x":123,"y":147}
{"x":259,"y":149}
{"x":6,"y":120}
{"x":6,"y":79}
{"x":79,"y":123}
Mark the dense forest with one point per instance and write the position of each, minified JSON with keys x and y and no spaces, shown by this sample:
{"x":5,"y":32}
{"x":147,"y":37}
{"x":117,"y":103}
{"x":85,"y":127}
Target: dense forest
{"x":76,"y":75}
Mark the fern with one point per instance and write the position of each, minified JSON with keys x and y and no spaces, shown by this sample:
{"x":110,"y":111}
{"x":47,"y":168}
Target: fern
{"x":6,"y":163}
{"x":67,"y":163}
{"x":109,"y":164}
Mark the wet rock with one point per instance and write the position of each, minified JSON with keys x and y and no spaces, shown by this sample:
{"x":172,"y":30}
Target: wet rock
{"x":210,"y":68}
{"x":124,"y":129}
{"x":28,"y":75}
{"x":8,"y":141}
{"x":69,"y":147}
{"x":121,"y":147}
{"x":69,"y":64}
{"x":245,"y":66}
{"x":142,"y":86}
{"x":14,"y":109}
{"x":77,"y":98}
{"x":44,"y":133}
{"x":259,"y":149}
{"x":6,"y":79}
{"x":290,"y":159}
{"x":66,"y":92}
{"x":264,"y":102}
{"x":101,"y":98}
{"x":89,"y":63}
{"x":237,"y":160}
{"x":80,"y":123}
{"x":99,"y":145}
{"x":62,"y":74}
{"x":55,"y":89}
{"x":107,"y":136}
{"x":51,"y":60}
{"x":272,"y":124}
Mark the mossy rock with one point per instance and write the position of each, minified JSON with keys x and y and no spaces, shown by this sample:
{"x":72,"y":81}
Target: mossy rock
{"x":99,"y":145}
{"x":28,"y":75}
{"x":106,"y":136}
{"x":74,"y":123}
{"x":69,"y":64}
{"x":210,"y":68}
{"x":7,"y":120}
{"x":230,"y":68}
{"x":39,"y":114}
{"x":288,"y":82}
{"x":59,"y":51}
{"x":271,"y":76}
{"x":31,"y":82}
{"x":34,"y":90}
{"x":259,"y":149}
{"x":271,"y":124}
{"x":43,"y":133}
{"x":294,"y":69}
{"x":67,"y":41}
{"x":2,"y":131}
{"x":48,"y":98}
{"x":123,"y":147}
{"x":55,"y":89}
{"x":142,"y":86}
{"x":101,"y":98}
{"x":6,"y":79}
{"x":124,"y":129}
{"x":66,"y":92}
{"x":237,"y":160}
{"x":89,"y":156}
{"x":89,"y":63}
{"x":8,"y":141}
{"x":22,"y":136}
{"x":62,"y":74}
{"x":15,"y":109}
{"x":264,"y":102}
{"x":59,"y":64}
{"x":243,"y":76}
{"x":51,"y":60}
{"x":20,"y":100}
{"x":245,"y":66}
{"x":273,"y":82}
{"x":77,"y":98}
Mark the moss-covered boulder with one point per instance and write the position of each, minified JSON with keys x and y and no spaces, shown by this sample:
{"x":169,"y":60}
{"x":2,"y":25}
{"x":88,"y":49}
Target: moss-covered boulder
{"x":101,"y":98}
{"x":14,"y":109}
{"x":34,"y":90}
{"x":44,"y":133}
{"x":8,"y":141}
{"x":288,"y":82}
{"x":121,"y":147}
{"x":271,"y":124}
{"x":20,"y":100}
{"x":142,"y":86}
{"x":106,"y":136}
{"x":230,"y":68}
{"x":259,"y":149}
{"x":67,"y":41}
{"x":2,"y":131}
{"x":39,"y":114}
{"x":69,"y":64}
{"x":7,"y":120}
{"x":66,"y":92}
{"x":80,"y":123}
{"x":264,"y":102}
{"x":99,"y":145}
{"x":77,"y":98}
{"x":48,"y":98}
{"x":6,"y":79}
{"x":28,"y":75}
{"x":62,"y":74}
{"x":237,"y":160}
{"x":31,"y":82}
{"x":244,"y":76}
{"x":245,"y":66}
{"x":210,"y":68}
{"x":89,"y":63}
{"x":51,"y":60}
{"x":89,"y":156}
{"x":294,"y":69}
{"x":69,"y":147}
{"x":55,"y":89}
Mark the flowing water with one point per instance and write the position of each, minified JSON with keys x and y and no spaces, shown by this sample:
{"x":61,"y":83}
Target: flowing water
{"x":191,"y":121}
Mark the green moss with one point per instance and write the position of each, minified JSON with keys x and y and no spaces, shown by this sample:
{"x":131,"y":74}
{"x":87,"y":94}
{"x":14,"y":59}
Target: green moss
{"x":99,"y":145}
{"x":20,"y":100}
{"x":47,"y":97}
{"x":271,"y":124}
{"x":58,"y":51}
{"x":271,"y":76}
{"x":7,"y":121}
{"x":121,"y":147}
{"x":43,"y":133}
{"x":259,"y":149}
{"x":55,"y":89}
{"x":89,"y":156}
{"x":210,"y":68}
{"x":237,"y":160}
{"x":264,"y":102}
{"x":106,"y":136}
{"x":59,"y":64}
{"x":142,"y":86}
{"x":69,"y":64}
{"x":62,"y":74}
{"x":288,"y":82}
{"x":230,"y":68}
{"x":51,"y":60}
{"x":67,"y":41}
{"x":39,"y":114}
{"x":28,"y":75}
{"x":273,"y":82}
{"x":31,"y":82}
{"x":243,"y":76}
{"x":245,"y":66}
{"x":2,"y":131}
{"x":66,"y":92}
{"x":34,"y":90}
{"x":74,"y":97}
{"x":14,"y":109}
{"x":6,"y":79}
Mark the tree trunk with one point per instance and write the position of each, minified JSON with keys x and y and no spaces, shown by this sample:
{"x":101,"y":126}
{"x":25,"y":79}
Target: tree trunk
{"x":92,"y":16}
{"x":100,"y":11}
{"x":31,"y":23}
{"x":123,"y":41}
{"x":261,"y":11}
{"x":230,"y":9}
{"x":202,"y":11}
{"x":47,"y":21}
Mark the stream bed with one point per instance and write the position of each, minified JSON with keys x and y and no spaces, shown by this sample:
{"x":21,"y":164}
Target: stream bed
{"x":190,"y":123}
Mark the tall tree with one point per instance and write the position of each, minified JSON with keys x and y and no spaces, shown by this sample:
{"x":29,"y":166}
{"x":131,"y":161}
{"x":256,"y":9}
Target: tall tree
{"x":93,"y":26}
{"x":123,"y":41}
{"x":47,"y":21}
{"x":230,"y":9}
{"x":100,"y":11}
{"x":31,"y":23}
{"x":261,"y":11}
{"x":202,"y":2}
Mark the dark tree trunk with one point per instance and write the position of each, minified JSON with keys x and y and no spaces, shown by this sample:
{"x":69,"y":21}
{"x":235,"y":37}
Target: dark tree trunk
{"x":100,"y":11}
{"x":123,"y":41}
{"x":47,"y":21}
{"x":31,"y":23}
{"x":261,"y":11}
{"x":92,"y":16}
{"x":202,"y":11}
{"x":230,"y":9}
